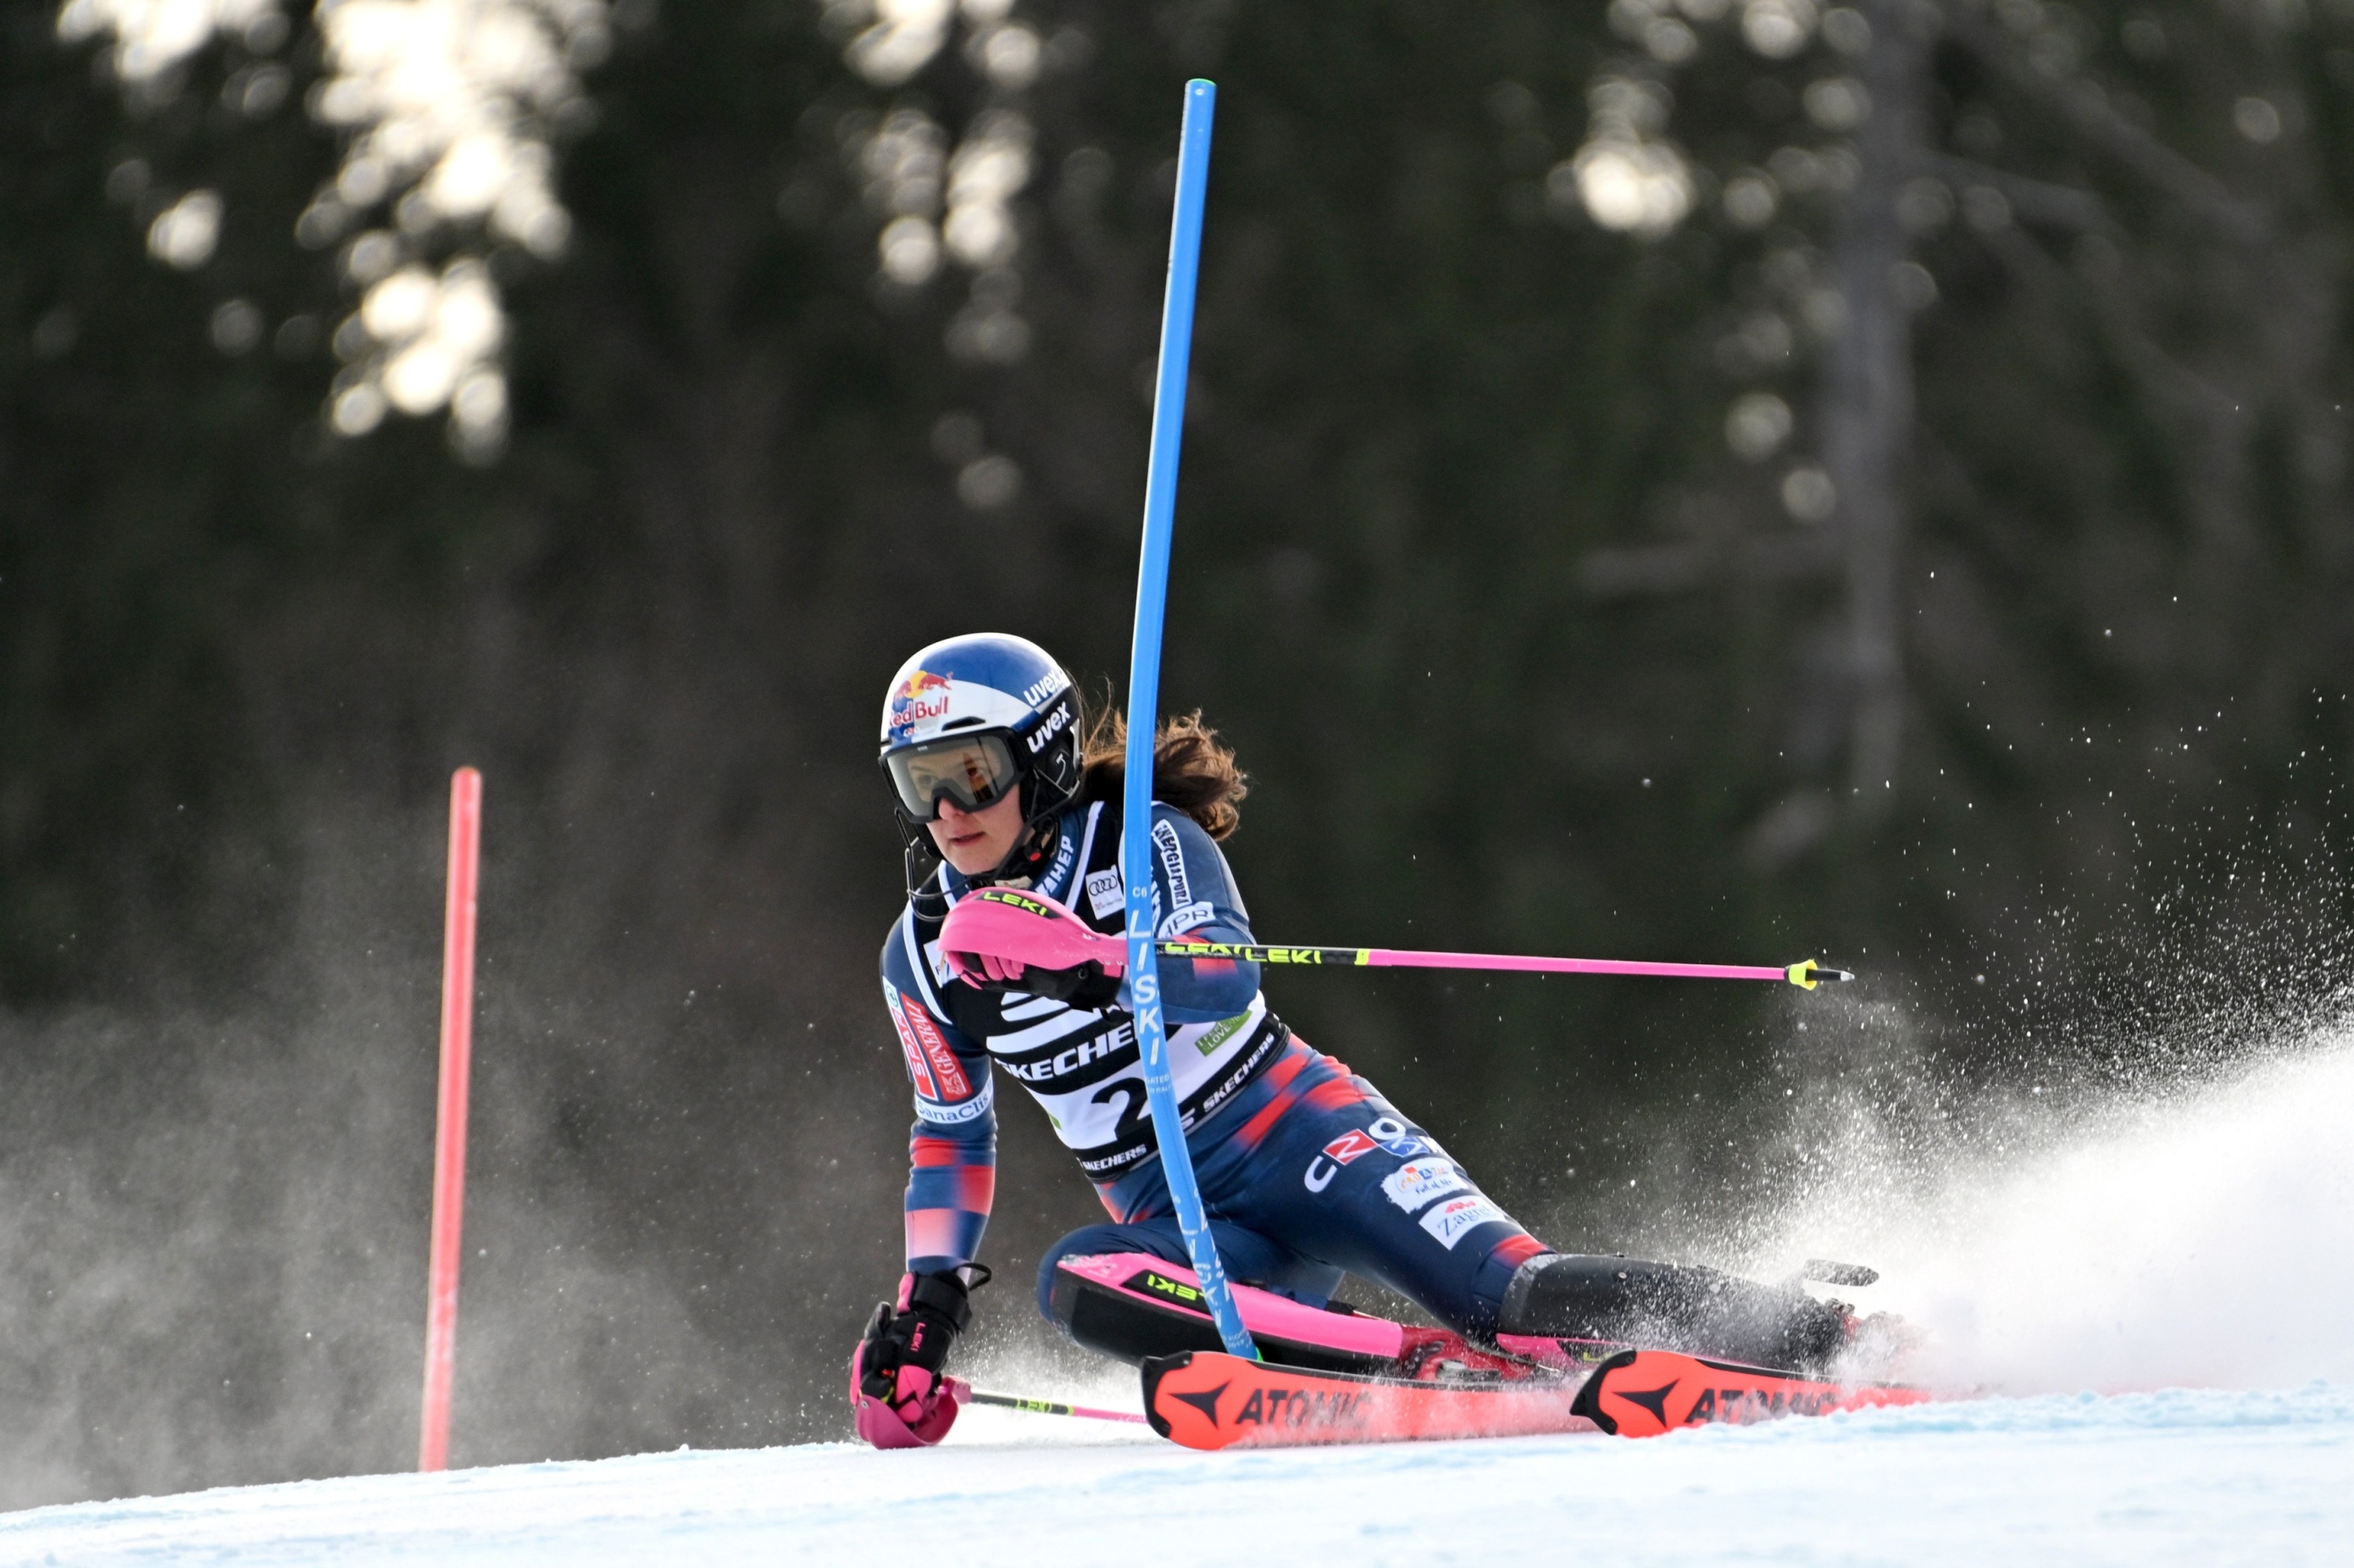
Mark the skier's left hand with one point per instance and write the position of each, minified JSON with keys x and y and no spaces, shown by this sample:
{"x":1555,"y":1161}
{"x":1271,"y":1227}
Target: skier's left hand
{"x":897,"y":1384}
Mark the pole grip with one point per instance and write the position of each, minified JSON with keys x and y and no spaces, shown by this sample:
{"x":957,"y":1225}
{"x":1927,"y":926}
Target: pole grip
{"x":450,"y":1122}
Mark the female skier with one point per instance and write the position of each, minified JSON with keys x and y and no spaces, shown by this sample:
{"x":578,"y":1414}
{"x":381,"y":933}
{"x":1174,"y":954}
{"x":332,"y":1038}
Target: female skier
{"x":1306,"y":1172}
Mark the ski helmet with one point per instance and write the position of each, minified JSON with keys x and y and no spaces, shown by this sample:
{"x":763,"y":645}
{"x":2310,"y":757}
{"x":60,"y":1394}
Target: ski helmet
{"x":974,"y":719}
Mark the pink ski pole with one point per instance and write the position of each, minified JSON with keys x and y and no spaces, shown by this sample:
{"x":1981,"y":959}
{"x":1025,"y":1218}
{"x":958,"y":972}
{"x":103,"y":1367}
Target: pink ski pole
{"x":967,"y":1395}
{"x":450,"y":1130}
{"x":1807,"y":974}
{"x":1006,"y":923}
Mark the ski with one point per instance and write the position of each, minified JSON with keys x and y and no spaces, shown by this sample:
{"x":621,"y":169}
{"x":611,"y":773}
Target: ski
{"x":1207,"y":1399}
{"x":1642,"y":1393}
{"x":1210,"y":1400}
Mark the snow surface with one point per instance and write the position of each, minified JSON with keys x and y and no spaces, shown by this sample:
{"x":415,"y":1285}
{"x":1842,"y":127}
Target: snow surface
{"x":2172,"y":1477}
{"x":2198,"y":1233}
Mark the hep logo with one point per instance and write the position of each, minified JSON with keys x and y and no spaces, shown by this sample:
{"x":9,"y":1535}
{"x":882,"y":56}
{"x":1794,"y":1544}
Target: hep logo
{"x":922,"y":695}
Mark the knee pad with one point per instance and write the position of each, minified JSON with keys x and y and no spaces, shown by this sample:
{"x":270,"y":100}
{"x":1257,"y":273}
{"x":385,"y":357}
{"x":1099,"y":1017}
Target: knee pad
{"x":1081,"y":1242}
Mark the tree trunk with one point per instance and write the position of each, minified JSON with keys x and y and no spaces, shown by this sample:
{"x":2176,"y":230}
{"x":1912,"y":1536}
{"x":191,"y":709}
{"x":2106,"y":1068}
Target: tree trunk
{"x":1866,"y":407}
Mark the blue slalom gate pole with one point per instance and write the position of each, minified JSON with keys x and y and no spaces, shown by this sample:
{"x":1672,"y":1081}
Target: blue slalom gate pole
{"x":1143,"y":707}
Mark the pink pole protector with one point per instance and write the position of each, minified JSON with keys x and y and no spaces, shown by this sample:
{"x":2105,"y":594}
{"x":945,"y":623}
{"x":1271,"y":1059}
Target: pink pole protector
{"x":1024,"y":929}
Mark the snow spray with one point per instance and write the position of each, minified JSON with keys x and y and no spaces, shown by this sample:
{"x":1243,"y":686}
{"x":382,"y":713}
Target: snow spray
{"x":2198,"y":1233}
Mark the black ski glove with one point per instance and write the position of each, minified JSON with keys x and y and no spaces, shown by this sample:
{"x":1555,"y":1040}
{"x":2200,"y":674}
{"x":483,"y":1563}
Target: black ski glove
{"x":933,"y":1309}
{"x":1086,"y":985}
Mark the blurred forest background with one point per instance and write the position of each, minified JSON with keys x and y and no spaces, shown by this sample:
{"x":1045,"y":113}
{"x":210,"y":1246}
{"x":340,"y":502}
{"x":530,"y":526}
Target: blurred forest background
{"x":1698,"y":478}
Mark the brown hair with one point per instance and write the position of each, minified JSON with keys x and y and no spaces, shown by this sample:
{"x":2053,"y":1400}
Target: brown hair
{"x":1190,"y":769}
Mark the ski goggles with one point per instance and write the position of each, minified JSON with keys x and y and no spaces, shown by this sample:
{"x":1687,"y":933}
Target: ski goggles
{"x":973,"y":770}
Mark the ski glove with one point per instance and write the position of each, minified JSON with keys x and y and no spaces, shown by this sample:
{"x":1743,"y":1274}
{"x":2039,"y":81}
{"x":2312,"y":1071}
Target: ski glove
{"x":1000,"y":939}
{"x":896,"y":1385}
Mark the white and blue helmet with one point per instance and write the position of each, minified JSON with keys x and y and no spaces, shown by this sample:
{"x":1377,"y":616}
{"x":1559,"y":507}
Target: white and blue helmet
{"x":972,"y":719}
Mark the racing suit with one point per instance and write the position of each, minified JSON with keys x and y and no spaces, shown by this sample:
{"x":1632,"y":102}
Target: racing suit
{"x":1305,"y":1171}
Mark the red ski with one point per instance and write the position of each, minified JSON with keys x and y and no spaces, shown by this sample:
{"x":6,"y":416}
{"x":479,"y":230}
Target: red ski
{"x":1642,"y":1393}
{"x":1206,"y":1399}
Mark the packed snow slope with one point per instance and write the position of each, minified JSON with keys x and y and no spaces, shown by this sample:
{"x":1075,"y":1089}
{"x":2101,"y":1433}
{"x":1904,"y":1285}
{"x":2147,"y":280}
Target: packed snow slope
{"x":2167,"y":1478}
{"x":2074,"y":1268}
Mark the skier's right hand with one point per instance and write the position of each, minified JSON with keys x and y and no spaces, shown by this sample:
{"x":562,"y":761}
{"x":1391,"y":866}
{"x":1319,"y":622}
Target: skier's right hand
{"x":896,"y":1382}
{"x":1000,"y":939}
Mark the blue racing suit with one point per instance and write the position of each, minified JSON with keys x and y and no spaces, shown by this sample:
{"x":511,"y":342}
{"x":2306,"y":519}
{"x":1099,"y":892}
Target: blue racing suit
{"x":1305,"y":1171}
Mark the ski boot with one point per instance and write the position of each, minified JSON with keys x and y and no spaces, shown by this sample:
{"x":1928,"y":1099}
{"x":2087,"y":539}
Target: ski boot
{"x":1583,"y":1300}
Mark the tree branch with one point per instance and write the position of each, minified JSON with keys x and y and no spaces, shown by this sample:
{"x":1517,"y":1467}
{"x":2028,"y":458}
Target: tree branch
{"x":2082,"y":105}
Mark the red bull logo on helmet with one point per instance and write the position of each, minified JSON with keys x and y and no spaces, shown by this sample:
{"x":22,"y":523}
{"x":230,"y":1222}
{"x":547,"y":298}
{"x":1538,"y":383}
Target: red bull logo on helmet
{"x":922,"y":695}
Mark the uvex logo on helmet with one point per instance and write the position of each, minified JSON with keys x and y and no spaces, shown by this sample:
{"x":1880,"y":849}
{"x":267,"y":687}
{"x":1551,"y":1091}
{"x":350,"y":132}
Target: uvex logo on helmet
{"x":1054,"y":725}
{"x":922,"y":695}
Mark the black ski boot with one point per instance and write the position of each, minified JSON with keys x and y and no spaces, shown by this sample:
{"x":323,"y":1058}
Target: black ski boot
{"x":1672,"y":1306}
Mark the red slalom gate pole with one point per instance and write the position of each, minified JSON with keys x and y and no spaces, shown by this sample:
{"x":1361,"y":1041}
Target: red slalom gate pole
{"x":450,"y":1130}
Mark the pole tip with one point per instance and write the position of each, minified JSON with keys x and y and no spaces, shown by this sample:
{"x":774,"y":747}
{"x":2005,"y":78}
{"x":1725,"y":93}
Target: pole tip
{"x":1807,"y":974}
